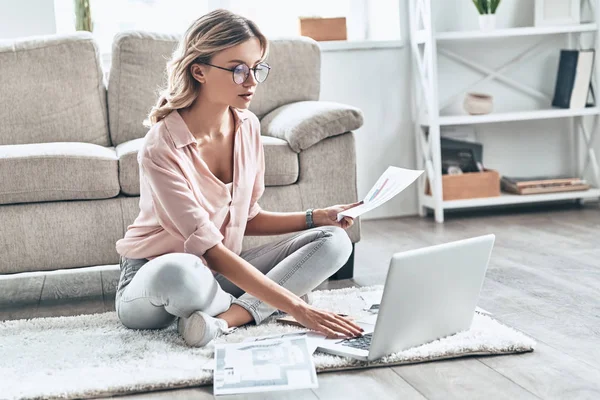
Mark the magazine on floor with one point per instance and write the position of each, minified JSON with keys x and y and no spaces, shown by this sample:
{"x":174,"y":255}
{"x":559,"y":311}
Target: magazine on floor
{"x":262,"y":366}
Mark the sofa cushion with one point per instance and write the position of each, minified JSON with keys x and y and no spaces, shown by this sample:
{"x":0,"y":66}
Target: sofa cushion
{"x":138,"y":73}
{"x":295,"y":75}
{"x":129,"y":173}
{"x":60,"y":235}
{"x":52,"y":90}
{"x":281,"y":164}
{"x":305,"y":123}
{"x":57,"y":171}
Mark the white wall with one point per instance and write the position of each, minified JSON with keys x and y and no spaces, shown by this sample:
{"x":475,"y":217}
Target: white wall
{"x":378,"y":82}
{"x":26,"y":18}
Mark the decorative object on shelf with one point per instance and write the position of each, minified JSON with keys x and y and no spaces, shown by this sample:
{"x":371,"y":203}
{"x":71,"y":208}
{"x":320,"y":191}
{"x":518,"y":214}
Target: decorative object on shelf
{"x":574,"y":79}
{"x":83,"y":16}
{"x":323,"y":29}
{"x":478,"y":103}
{"x":557,"y":12}
{"x":487,"y":13}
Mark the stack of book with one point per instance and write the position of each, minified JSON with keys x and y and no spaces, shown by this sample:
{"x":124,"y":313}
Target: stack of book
{"x":573,"y":87}
{"x":538,"y":185}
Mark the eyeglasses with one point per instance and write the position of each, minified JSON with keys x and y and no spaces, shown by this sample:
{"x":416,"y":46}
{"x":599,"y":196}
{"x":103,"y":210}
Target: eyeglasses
{"x":242,"y":71}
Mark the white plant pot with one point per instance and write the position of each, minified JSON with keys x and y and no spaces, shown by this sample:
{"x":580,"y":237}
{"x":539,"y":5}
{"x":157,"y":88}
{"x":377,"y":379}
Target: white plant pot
{"x":487,"y":22}
{"x":478,"y":103}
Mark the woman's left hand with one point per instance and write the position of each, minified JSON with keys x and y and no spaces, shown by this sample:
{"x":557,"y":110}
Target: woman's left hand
{"x":328,"y":216}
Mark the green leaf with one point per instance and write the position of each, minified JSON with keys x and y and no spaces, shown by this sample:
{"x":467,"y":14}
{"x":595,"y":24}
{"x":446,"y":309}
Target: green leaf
{"x":479,"y":4}
{"x":494,"y":5}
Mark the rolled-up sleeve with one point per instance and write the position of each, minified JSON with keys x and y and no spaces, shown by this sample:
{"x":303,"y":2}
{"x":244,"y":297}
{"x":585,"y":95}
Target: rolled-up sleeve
{"x":176,"y":207}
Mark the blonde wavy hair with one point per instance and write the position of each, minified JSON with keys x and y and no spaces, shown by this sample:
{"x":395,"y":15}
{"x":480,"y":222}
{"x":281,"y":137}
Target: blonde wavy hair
{"x":208,"y":35}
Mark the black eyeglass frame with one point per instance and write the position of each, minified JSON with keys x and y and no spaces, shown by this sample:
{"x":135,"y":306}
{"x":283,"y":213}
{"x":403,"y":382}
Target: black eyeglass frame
{"x":232,"y":70}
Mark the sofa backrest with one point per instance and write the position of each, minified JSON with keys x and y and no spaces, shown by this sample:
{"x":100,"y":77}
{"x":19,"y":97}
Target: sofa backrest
{"x":138,"y":73}
{"x":52,"y":90}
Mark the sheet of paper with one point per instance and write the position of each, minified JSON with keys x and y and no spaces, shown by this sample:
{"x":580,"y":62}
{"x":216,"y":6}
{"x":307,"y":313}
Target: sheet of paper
{"x":368,"y":322}
{"x":393,"y":181}
{"x":312,"y":338}
{"x":263,"y":366}
{"x":371,"y":298}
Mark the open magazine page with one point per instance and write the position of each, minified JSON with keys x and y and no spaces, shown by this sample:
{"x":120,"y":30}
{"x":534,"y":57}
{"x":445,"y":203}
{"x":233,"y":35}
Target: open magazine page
{"x":393,"y":181}
{"x":262,"y":366}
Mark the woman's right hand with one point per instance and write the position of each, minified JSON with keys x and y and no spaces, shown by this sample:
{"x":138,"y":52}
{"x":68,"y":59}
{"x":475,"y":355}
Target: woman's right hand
{"x":327,"y":323}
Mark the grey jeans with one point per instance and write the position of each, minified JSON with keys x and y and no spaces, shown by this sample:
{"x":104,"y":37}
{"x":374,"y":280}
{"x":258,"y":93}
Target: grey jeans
{"x":151,"y":294}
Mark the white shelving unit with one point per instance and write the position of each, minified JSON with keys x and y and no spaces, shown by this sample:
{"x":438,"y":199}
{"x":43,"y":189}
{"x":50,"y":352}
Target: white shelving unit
{"x":529,"y":31}
{"x":428,"y":120}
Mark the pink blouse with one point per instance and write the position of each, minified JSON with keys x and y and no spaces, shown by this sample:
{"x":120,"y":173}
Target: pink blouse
{"x":184,"y":208}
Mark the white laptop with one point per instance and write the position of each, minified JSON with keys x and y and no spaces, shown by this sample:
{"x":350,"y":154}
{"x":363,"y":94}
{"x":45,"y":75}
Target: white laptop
{"x":429,"y":293}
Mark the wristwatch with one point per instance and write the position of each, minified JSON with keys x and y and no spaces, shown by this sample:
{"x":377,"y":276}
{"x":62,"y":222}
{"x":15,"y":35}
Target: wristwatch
{"x":309,"y":218}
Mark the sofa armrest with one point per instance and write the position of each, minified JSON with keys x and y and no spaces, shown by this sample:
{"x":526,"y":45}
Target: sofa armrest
{"x":305,"y":123}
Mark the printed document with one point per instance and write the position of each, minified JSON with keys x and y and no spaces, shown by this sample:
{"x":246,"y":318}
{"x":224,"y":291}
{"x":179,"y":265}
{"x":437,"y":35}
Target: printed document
{"x":312,"y":338}
{"x":390,"y":183}
{"x":263,"y":366}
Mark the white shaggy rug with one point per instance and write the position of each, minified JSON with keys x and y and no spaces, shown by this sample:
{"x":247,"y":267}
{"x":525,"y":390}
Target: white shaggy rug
{"x":94,"y":355}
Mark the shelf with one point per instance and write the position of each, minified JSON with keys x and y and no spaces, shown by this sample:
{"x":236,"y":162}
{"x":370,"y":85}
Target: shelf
{"x":528,"y":31}
{"x":513,"y":116}
{"x":505,"y":199}
{"x":428,"y":45}
{"x":347,"y":45}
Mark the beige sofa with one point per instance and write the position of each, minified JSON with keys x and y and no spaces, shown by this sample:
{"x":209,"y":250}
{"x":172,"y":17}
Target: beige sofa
{"x":69,"y":179}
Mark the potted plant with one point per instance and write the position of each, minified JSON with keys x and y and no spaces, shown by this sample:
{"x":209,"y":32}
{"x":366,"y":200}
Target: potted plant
{"x":487,"y":13}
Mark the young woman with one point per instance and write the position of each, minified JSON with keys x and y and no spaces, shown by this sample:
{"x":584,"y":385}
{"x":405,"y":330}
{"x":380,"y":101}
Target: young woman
{"x":201,"y":175}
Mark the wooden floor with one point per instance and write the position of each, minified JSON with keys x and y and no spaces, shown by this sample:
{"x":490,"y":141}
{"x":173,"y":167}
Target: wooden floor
{"x":543,"y":279}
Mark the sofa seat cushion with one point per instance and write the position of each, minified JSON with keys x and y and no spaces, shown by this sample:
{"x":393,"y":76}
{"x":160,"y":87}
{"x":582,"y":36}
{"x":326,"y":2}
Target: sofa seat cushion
{"x":129,"y":174}
{"x":39,"y":172}
{"x":281,"y":164}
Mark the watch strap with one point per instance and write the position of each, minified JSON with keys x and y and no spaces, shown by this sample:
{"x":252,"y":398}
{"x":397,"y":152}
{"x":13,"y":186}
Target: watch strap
{"x":309,"y":219}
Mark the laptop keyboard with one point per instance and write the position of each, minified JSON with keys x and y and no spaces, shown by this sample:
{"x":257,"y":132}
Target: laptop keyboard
{"x":361,"y":342}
